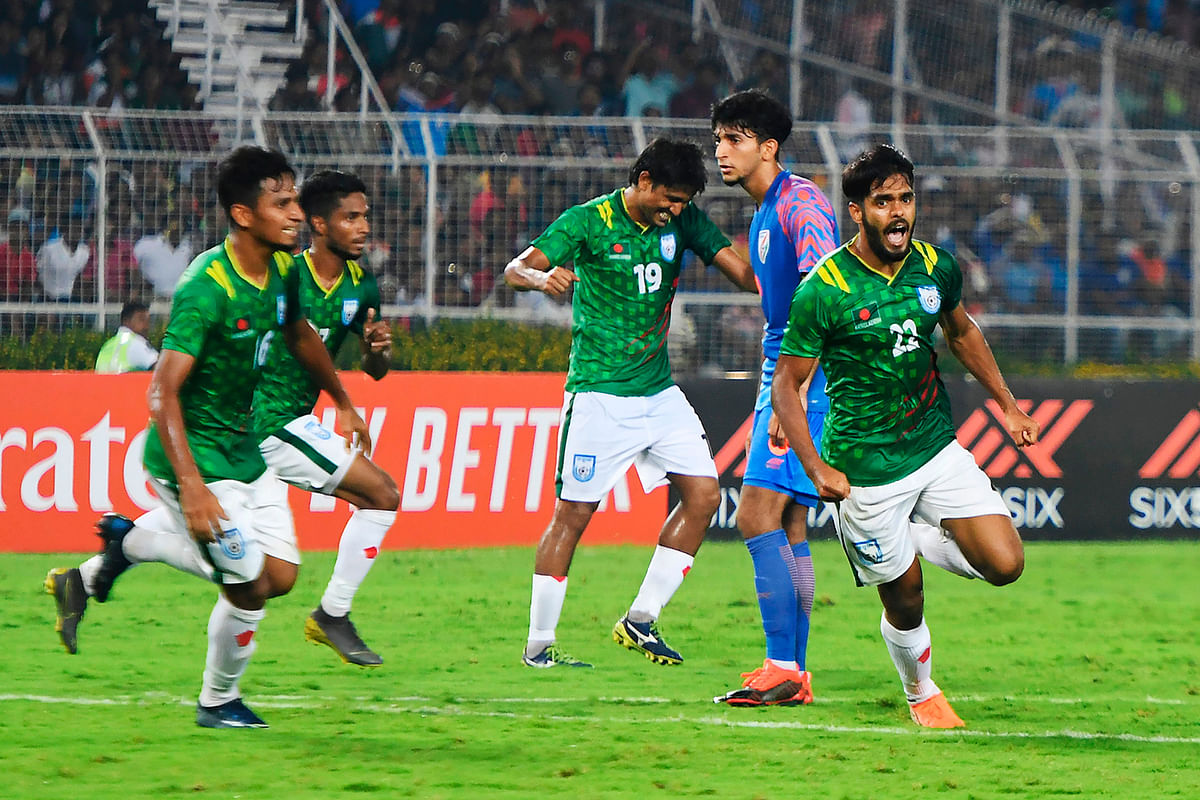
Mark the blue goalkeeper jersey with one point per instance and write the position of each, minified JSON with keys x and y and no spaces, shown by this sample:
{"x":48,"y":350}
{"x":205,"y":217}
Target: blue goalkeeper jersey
{"x":791,"y":231}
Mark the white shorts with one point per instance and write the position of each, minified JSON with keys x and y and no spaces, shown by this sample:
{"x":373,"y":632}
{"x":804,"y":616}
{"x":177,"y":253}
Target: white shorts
{"x":600,"y":435}
{"x":308,"y":455}
{"x":260,"y":525}
{"x":872,"y":522}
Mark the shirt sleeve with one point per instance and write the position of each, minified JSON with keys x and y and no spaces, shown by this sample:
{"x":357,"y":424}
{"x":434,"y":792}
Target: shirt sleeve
{"x":370,"y":300}
{"x":141,"y":354}
{"x":807,"y":323}
{"x":704,"y":238}
{"x":563,"y":240}
{"x":196,"y":309}
{"x":954,"y":281}
{"x":807,"y":220}
{"x":291,"y":292}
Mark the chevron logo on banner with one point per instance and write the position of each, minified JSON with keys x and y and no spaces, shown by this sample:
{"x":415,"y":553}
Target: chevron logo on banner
{"x":985,"y":434}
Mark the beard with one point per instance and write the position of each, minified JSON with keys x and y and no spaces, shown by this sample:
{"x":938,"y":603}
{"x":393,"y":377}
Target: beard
{"x":341,"y":252}
{"x":879,"y":246}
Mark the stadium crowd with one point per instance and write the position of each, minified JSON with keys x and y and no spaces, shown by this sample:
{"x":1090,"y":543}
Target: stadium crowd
{"x":456,"y":56}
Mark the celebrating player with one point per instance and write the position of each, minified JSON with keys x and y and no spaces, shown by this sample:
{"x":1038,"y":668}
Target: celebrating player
{"x":793,"y":227}
{"x":621,"y":405}
{"x":201,"y":456}
{"x":868,"y":312}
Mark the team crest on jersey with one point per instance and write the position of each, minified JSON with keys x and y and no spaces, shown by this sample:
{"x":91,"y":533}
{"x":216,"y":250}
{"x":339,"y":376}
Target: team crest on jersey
{"x":764,"y":244}
{"x":349,"y":310}
{"x":666,"y":245}
{"x":931,"y":298}
{"x":583,"y":467}
{"x":869,"y":551}
{"x":280,"y":308}
{"x":232,"y":543}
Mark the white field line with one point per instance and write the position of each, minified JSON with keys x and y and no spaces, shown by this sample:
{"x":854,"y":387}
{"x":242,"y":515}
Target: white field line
{"x":392,"y":706}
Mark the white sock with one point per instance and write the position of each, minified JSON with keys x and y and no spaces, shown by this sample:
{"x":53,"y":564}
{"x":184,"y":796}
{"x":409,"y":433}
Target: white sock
{"x":357,"y":549}
{"x":231,"y":642}
{"x":142,"y":546}
{"x":545,"y":607}
{"x":912,"y":653}
{"x":663,"y":578}
{"x":938,"y":547}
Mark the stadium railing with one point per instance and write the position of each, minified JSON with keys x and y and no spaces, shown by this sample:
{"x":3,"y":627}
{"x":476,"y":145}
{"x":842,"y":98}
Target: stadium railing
{"x":1074,"y":248}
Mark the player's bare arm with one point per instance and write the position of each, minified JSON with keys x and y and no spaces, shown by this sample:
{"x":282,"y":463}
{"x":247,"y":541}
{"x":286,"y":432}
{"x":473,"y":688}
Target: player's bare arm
{"x":969,"y":346}
{"x":376,"y":346}
{"x":306,"y":345}
{"x":736,"y":269}
{"x":532,"y":271}
{"x":792,"y":372}
{"x":201,"y":510}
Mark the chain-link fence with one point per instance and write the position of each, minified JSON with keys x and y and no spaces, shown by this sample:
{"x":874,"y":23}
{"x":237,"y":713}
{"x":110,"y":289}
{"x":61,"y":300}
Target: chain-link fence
{"x":1073,"y":248}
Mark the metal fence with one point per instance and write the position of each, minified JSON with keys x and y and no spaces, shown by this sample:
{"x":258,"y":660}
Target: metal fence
{"x":1073,"y":248}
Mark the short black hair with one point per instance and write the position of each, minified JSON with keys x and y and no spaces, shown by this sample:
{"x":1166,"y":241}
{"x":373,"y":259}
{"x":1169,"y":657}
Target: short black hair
{"x":673,"y":163}
{"x":756,"y":112}
{"x":321,"y":193}
{"x":131,"y":308}
{"x":241,"y":173}
{"x":872,"y":168}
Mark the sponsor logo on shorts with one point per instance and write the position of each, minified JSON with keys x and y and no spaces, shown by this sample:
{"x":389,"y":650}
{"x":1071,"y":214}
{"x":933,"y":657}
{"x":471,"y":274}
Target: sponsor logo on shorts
{"x":666,"y":245}
{"x":869,"y":551}
{"x":232,"y":543}
{"x":315,"y":428}
{"x":930,"y":298}
{"x":583,"y":468}
{"x":349,"y":310}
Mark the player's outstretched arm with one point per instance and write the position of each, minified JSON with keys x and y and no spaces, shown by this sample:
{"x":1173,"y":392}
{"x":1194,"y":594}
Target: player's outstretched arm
{"x":306,"y":345}
{"x":792,"y":372}
{"x":376,"y":346}
{"x":969,"y":346}
{"x":736,"y":268}
{"x":201,"y":510}
{"x":531,"y":271}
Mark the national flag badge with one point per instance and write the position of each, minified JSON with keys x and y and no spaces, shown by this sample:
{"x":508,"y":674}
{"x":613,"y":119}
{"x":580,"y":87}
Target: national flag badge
{"x":666,"y":245}
{"x":931,"y":299}
{"x":764,"y":245}
{"x":618,"y":252}
{"x":280,"y":308}
{"x":349,"y":310}
{"x":866,"y":316}
{"x":584,"y":467}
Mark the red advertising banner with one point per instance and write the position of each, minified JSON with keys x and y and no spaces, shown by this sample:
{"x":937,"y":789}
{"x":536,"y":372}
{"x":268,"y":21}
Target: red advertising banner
{"x":473,"y":455}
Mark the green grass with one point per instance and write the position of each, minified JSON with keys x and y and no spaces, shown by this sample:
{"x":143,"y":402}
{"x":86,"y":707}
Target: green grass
{"x":1080,"y":680}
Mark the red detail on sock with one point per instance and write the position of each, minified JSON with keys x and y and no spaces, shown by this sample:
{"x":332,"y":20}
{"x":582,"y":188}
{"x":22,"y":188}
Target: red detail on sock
{"x":371,"y":552}
{"x":243,"y":638}
{"x":559,"y":578}
{"x":925,"y":656}
{"x":686,"y":570}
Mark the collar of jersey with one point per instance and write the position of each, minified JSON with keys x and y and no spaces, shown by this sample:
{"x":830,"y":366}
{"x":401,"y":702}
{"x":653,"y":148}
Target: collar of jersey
{"x":641,"y":228}
{"x":869,"y":268}
{"x":312,"y":270}
{"x":774,"y":188}
{"x":237,"y":268}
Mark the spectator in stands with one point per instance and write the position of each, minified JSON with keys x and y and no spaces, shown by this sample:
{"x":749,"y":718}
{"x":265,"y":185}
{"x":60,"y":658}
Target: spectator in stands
{"x":852,"y":116}
{"x":294,"y":95}
{"x":17,"y":265}
{"x":12,"y":63}
{"x":128,"y":350}
{"x":53,"y":84}
{"x":560,"y":81}
{"x":646,"y":83}
{"x":514,"y":92}
{"x":162,"y":262}
{"x":696,"y":101}
{"x":766,"y":69}
{"x":62,"y":258}
{"x":1058,"y":77}
{"x":598,"y":72}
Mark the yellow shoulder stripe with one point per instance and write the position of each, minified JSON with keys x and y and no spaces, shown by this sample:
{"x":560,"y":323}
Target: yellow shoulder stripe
{"x":829,"y":273}
{"x":216,"y":271}
{"x":606,"y":213}
{"x":283,"y":261}
{"x":356,"y":272}
{"x":927,"y":253}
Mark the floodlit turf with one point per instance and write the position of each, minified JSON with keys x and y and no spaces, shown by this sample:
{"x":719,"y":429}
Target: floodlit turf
{"x":1079,"y":680}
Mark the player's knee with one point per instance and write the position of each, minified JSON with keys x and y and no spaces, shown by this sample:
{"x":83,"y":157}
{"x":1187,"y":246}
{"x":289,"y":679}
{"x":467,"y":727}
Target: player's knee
{"x":703,"y":500}
{"x":385,"y":497}
{"x":1005,"y":569}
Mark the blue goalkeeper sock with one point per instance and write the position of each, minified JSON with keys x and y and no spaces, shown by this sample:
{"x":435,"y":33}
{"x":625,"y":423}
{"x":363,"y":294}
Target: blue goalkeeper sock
{"x":805,"y":583}
{"x":773,"y":582}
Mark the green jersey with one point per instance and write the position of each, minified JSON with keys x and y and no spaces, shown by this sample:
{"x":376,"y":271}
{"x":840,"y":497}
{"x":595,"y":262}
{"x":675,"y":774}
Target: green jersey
{"x":627,"y":279}
{"x":888,"y":409}
{"x":223,"y":320}
{"x":286,"y":390}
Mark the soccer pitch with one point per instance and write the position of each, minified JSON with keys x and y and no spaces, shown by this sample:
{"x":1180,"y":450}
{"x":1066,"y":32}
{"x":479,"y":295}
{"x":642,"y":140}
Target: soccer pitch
{"x":1080,"y":679}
